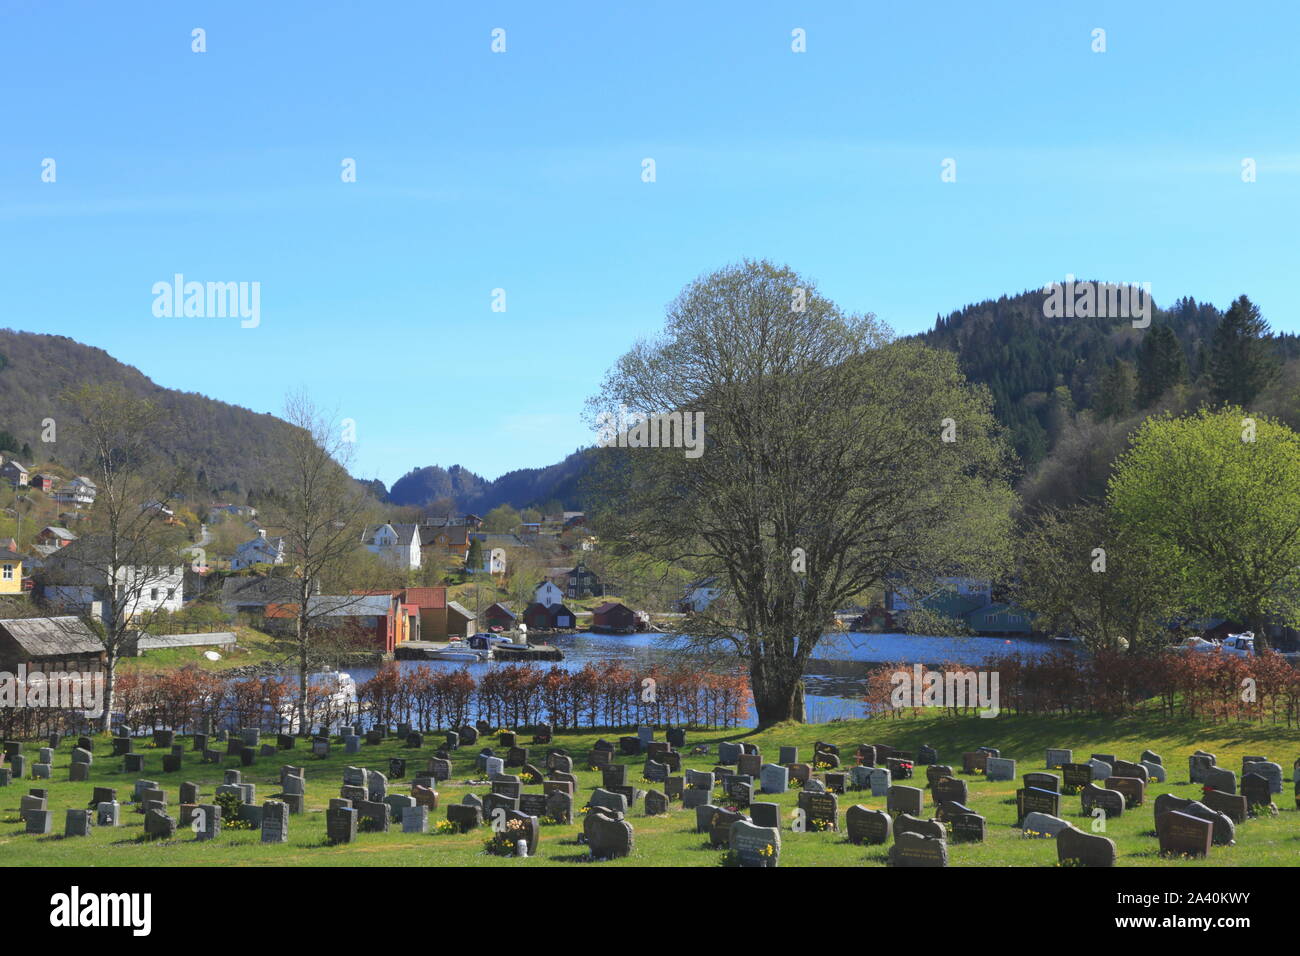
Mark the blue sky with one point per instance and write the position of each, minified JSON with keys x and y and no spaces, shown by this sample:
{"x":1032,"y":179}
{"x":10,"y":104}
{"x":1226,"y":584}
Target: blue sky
{"x":522,"y":171}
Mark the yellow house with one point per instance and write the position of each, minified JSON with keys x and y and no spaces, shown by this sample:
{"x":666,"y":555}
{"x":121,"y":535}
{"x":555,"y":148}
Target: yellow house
{"x":11,"y":572}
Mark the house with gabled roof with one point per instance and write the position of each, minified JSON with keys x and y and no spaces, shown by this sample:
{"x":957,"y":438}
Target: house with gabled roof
{"x":395,"y":542}
{"x":259,"y":550}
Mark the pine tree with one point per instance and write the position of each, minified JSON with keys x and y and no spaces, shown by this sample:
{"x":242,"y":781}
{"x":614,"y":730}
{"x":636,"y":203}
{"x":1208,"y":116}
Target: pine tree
{"x":1241,"y":361}
{"x":1116,"y":395}
{"x":1161,"y":364}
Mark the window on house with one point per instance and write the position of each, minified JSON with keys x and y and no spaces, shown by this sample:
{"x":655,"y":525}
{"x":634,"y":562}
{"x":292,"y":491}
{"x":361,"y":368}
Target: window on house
{"x":171,"y":593}
{"x":8,"y":572}
{"x":153,"y":594}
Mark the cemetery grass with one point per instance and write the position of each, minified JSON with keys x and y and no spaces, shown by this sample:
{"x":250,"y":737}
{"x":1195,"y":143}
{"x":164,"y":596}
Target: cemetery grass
{"x":668,"y":840}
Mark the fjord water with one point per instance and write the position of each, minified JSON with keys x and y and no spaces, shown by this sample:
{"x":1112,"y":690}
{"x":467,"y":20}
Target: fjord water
{"x":834,"y":678}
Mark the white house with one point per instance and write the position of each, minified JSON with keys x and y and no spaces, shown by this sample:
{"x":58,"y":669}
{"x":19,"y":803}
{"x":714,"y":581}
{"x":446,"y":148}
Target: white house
{"x":80,"y":492}
{"x":259,"y":550}
{"x":548,"y":594}
{"x":398,"y":544}
{"x":145,"y":589}
{"x":700,"y":595}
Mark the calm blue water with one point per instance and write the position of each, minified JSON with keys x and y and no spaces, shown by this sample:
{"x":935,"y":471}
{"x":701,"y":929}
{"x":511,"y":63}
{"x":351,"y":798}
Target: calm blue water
{"x":834,"y":676}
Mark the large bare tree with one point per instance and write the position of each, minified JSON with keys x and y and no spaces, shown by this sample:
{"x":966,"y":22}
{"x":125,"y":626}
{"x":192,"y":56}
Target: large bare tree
{"x":834,"y":457}
{"x":126,"y":550}
{"x":322,"y":513}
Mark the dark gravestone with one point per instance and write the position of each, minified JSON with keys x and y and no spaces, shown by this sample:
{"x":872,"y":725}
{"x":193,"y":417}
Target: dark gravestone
{"x":764,"y":814}
{"x":905,"y":800}
{"x":1043,"y":781}
{"x":1220,"y":778}
{"x":1181,"y":834}
{"x":976,"y":761}
{"x":868,"y":826}
{"x":341,"y":825}
{"x":755,"y":846}
{"x":967,"y":828}
{"x":927,"y":755}
{"x":464,"y":817}
{"x":1110,"y":801}
{"x":906,"y":823}
{"x":1033,"y":800}
{"x":1133,"y":789}
{"x":1075,"y":776}
{"x":1225,"y":830}
{"x":821,"y":811}
{"x":1232,"y":804}
{"x":1084,"y":849}
{"x":720,"y":826}
{"x":949,"y":789}
{"x":607,"y":837}
{"x":917,"y":850}
{"x":559,"y":807}
{"x":656,"y":804}
{"x":1255,"y":788}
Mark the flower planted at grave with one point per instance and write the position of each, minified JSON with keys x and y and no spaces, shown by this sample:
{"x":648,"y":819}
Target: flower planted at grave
{"x":502,"y":843}
{"x":444,"y":826}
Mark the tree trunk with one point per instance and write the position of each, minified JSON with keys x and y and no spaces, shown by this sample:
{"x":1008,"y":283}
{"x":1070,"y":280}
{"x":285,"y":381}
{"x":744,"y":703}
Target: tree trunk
{"x":1256,"y":623}
{"x":776,"y":698}
{"x":110,"y":674}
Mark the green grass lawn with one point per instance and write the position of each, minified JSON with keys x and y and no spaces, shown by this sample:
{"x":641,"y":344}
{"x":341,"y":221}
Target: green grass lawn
{"x":251,"y":647}
{"x":670,"y":840}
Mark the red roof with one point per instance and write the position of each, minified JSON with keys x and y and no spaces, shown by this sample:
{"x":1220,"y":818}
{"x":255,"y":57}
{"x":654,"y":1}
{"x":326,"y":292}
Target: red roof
{"x":427,"y":597}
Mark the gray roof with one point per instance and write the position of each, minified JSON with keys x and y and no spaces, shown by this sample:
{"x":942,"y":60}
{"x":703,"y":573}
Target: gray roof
{"x":52,"y":636}
{"x":350,"y":605}
{"x":405,"y":532}
{"x":452,"y":605}
{"x":259,"y":589}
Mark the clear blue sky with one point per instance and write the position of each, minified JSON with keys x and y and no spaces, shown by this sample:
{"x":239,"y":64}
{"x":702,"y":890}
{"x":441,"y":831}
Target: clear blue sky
{"x":522,"y":171}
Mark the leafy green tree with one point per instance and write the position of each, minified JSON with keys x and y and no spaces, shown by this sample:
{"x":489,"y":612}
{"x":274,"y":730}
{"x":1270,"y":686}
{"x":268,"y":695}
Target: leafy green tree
{"x":1241,"y":361}
{"x":1216,"y":498}
{"x":1084,"y":574}
{"x":501,"y":519}
{"x":474,"y":557}
{"x":833,"y":457}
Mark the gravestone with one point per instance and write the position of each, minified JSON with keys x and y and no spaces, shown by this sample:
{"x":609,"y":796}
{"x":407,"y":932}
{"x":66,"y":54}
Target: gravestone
{"x":1257,"y":791}
{"x":1134,"y":790}
{"x":133,"y":763}
{"x":967,"y":828}
{"x":676,"y":737}
{"x":655,"y":772}
{"x":749,"y":764}
{"x":1110,"y":801}
{"x":159,"y":826}
{"x":1058,"y":757}
{"x":656,"y":804}
{"x":372,"y":815}
{"x":77,"y":823}
{"x":1033,"y":800}
{"x":880,"y":782}
{"x":629,"y":746}
{"x":866,"y":826}
{"x":787,"y":755}
{"x":1225,"y":830}
{"x":341,"y":825}
{"x":464,"y":817}
{"x":918,"y":850}
{"x":739,"y":790}
{"x":1219,"y":778}
{"x":975,"y":761}
{"x":1232,"y":805}
{"x":439,"y":769}
{"x":719,"y":829}
{"x":607,"y":837}
{"x":1272,"y":772}
{"x":275,"y":822}
{"x":1181,"y":834}
{"x":1197,"y":764}
{"x":608,"y":800}
{"x":1100,"y":769}
{"x":108,"y":813}
{"x":926,"y":754}
{"x":800,"y":773}
{"x":1043,"y":781}
{"x":949,"y":789}
{"x":1042,"y":825}
{"x":40,"y":822}
{"x":559,"y":807}
{"x":415,"y":819}
{"x":729,"y":753}
{"x":755,"y":846}
{"x":1154,"y":771}
{"x":1084,"y":849}
{"x":1000,"y":768}
{"x":909,"y":800}
{"x":821,"y":810}
{"x":1124,"y":768}
{"x":1075,"y":776}
{"x":1150,"y":756}
{"x":189,"y":793}
{"x":765,"y":814}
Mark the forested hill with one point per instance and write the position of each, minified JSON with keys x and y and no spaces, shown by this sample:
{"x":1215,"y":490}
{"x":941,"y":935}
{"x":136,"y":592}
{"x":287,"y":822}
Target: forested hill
{"x":227,"y":449}
{"x":1025,"y":357}
{"x":457,"y":488}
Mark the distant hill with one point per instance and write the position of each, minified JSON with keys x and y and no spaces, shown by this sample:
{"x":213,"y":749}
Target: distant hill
{"x":227,"y":449}
{"x":469,"y":492}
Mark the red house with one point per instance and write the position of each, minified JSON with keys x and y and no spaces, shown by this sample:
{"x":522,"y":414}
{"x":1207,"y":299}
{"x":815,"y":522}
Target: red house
{"x":539,"y":617}
{"x":614,"y":617}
